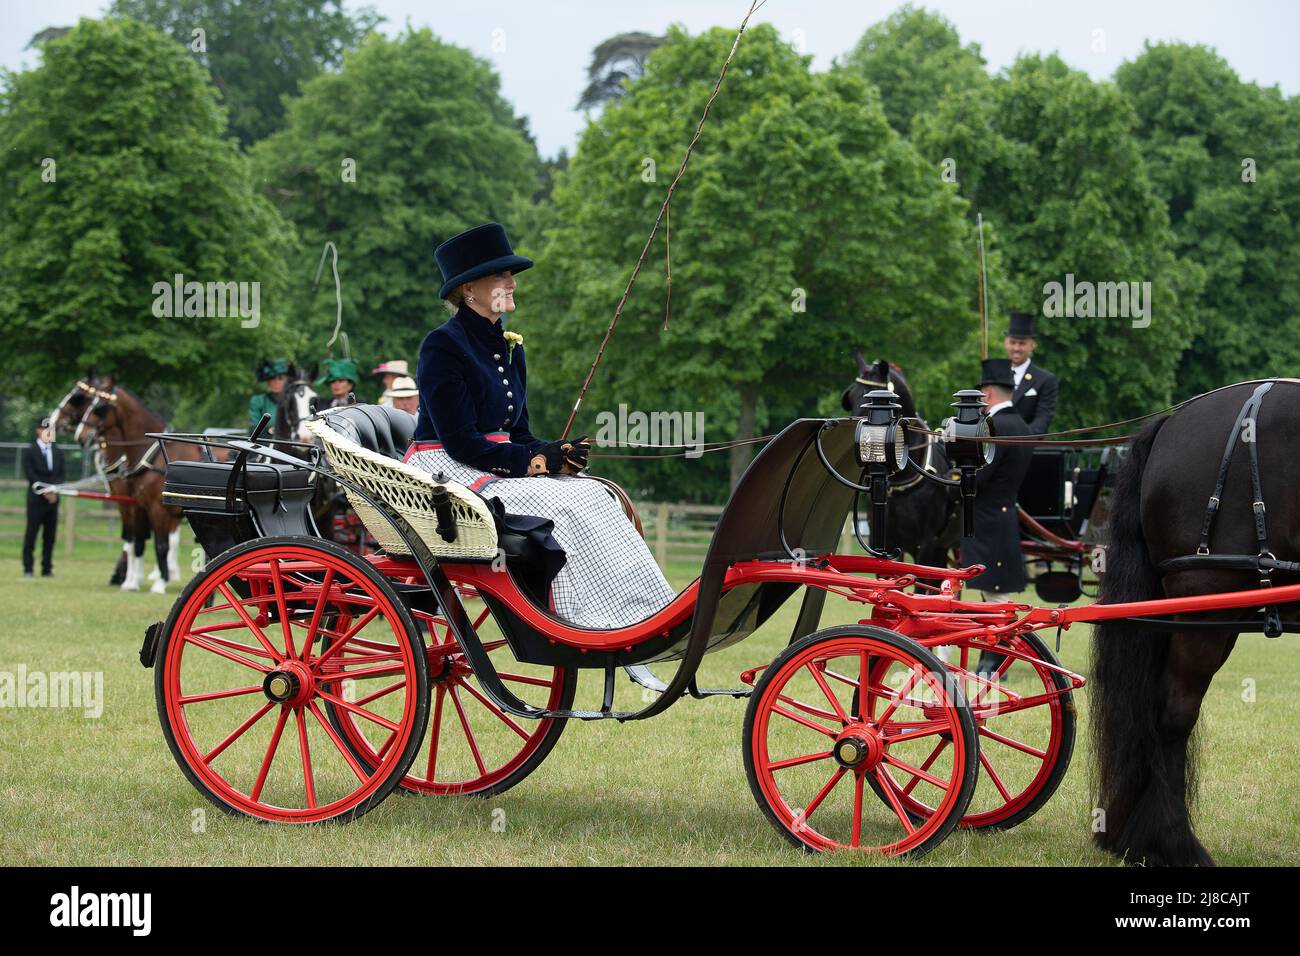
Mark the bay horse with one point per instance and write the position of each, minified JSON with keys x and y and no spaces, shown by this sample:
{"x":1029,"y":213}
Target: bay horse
{"x":116,"y":423}
{"x":923,"y":516}
{"x":1148,"y":685}
{"x":67,"y":419}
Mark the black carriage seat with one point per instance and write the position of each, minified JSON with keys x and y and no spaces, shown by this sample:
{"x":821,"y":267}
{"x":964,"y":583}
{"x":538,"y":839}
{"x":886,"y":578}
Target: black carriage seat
{"x":388,"y":431}
{"x":269,"y":499}
{"x":379,"y":428}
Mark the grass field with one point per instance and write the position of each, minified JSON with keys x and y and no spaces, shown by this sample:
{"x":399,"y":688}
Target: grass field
{"x":105,"y":791}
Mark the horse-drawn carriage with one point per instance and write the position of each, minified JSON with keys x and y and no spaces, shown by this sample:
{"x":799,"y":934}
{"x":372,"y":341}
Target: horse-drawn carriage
{"x":1059,"y":503}
{"x":299,"y":682}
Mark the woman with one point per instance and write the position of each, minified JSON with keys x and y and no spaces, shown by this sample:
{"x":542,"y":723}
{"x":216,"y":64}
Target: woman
{"x":473,"y":427}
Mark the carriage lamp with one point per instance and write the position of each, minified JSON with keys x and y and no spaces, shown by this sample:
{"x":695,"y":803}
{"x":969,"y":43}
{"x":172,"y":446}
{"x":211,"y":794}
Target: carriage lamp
{"x":881,"y":437}
{"x":960,"y":434}
{"x":882,"y":452}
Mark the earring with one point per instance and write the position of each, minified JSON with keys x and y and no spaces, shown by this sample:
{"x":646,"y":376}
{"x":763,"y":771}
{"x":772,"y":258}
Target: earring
{"x":469,"y":298}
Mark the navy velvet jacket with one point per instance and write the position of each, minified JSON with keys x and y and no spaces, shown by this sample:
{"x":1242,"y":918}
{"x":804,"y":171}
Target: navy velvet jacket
{"x":470,"y":386}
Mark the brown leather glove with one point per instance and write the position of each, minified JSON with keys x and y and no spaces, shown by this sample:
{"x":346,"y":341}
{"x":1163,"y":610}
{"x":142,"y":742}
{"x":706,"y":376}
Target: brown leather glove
{"x":560,"y":457}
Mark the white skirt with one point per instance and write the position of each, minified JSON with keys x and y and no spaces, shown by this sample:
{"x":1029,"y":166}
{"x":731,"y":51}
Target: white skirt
{"x":610,"y":578}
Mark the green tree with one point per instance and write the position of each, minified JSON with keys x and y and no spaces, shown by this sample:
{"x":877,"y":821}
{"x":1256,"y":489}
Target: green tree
{"x":915,"y":58}
{"x":1050,"y":159}
{"x":1225,"y":156}
{"x":408,"y":144}
{"x":804,"y":227}
{"x":117,"y":178}
{"x":258,"y":51}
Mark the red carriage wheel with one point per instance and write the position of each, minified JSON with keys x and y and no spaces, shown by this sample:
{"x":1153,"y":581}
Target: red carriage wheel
{"x":242,"y":680}
{"x":472,"y":746}
{"x":810,"y":749}
{"x":1026,"y":722}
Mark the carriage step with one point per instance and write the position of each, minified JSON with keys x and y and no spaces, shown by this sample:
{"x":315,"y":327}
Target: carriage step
{"x":592,"y":714}
{"x":640,"y":674}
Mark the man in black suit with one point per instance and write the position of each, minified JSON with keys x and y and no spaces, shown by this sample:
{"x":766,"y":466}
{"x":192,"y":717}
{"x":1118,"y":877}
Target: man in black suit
{"x":1034,"y":393}
{"x":996,"y":544}
{"x":42,"y":462}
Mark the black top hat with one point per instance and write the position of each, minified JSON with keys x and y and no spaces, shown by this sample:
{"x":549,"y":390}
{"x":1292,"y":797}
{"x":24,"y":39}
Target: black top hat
{"x":1020,"y":325}
{"x":476,"y":253}
{"x":997,"y":371}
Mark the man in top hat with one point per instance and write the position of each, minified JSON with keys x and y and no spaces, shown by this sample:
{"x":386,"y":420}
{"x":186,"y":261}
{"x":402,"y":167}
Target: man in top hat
{"x":996,"y":543}
{"x":387,"y":373}
{"x":42,"y":462}
{"x":403,"y":394}
{"x":1034,"y":396}
{"x":341,"y":376}
{"x":274,"y":372}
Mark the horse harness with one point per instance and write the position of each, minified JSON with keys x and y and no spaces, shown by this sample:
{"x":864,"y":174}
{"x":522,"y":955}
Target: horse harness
{"x":1264,"y":562}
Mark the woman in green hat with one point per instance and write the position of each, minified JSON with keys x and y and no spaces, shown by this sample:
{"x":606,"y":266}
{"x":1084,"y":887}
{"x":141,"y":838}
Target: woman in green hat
{"x":274,"y":372}
{"x":341,"y":376}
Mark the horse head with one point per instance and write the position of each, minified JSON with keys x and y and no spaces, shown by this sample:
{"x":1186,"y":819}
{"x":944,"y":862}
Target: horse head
{"x":294,"y":407}
{"x":875,"y":375}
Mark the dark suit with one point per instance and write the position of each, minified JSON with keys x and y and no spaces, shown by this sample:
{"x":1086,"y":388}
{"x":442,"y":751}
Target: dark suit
{"x":1035,"y":398}
{"x":996,"y":544}
{"x":42,"y":515}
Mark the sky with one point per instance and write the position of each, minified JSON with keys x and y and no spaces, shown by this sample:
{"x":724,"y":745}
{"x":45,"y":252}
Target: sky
{"x":541,"y":48}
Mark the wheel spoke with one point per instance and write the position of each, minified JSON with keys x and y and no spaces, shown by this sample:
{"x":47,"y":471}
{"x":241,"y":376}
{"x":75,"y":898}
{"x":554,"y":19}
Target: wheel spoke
{"x":821,"y":794}
{"x":807,"y":708}
{"x":239,"y":609}
{"x":929,"y":761}
{"x":434,"y":732}
{"x":222,"y":652}
{"x":352,"y":708}
{"x":270,"y":755}
{"x":522,"y":679}
{"x":525,"y":735}
{"x":218,"y":695}
{"x":855,"y":840}
{"x":237,"y":732}
{"x":821,"y":682}
{"x":888,"y":786}
{"x":915,"y":771}
{"x":310,"y":640}
{"x":1014,"y":744}
{"x":352,"y":632}
{"x":308,"y":778}
{"x":902,"y":695}
{"x":333,"y":735}
{"x":380,"y":693}
{"x":469,"y":734}
{"x":803,"y":720}
{"x":993,"y":775}
{"x":277,"y":582}
{"x":797,"y":761}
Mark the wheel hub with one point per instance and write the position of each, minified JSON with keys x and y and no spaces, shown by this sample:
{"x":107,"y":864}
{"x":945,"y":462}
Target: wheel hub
{"x":858,"y":748}
{"x":290,"y":684}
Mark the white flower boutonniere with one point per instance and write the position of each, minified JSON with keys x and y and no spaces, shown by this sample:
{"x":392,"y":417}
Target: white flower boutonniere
{"x":512,"y":339}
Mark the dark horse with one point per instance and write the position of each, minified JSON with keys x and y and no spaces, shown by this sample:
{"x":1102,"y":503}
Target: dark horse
{"x":1148,"y":686}
{"x":922,"y":515}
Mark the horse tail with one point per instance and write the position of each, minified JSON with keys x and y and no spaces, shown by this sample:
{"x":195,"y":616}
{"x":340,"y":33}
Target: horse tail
{"x":1127,"y":664}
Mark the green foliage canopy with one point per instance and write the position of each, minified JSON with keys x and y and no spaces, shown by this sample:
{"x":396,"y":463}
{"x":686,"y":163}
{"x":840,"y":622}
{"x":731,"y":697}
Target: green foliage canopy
{"x":408,"y":144}
{"x":258,"y":51}
{"x":118,"y":177}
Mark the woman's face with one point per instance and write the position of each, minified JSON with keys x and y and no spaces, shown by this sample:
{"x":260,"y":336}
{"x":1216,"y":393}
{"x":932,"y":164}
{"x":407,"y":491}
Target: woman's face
{"x":494,"y":293}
